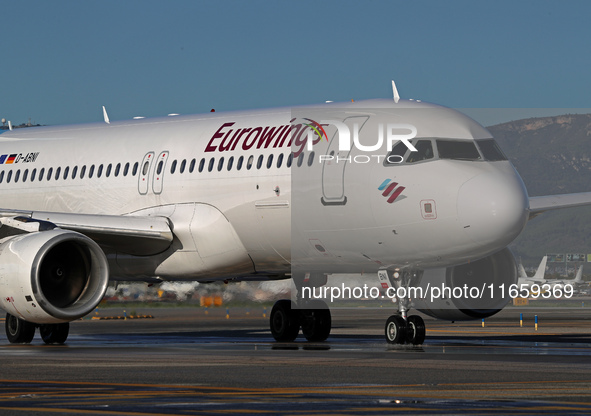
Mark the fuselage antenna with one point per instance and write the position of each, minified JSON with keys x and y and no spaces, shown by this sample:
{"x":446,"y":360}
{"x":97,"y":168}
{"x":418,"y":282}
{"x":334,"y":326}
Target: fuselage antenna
{"x":395,"y":92}
{"x":105,"y":115}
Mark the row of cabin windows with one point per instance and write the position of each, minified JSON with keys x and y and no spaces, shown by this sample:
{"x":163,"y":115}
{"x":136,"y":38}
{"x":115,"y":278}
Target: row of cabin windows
{"x":51,"y":174}
{"x":241,"y":162}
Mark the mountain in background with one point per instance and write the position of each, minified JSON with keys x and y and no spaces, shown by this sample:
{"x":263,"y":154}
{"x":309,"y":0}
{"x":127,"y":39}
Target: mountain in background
{"x":553,"y":156}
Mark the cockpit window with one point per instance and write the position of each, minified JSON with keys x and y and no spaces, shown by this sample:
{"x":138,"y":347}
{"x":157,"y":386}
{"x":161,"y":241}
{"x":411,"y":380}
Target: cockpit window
{"x":424,"y":152}
{"x":457,"y":149}
{"x":396,"y":156}
{"x":491,"y":150}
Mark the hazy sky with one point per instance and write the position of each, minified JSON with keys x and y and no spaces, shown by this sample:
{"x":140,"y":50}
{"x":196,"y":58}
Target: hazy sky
{"x":62,"y":60}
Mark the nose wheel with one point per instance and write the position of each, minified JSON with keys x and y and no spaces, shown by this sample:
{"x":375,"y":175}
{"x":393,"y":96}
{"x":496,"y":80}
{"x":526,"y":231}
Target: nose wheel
{"x":399,"y":331}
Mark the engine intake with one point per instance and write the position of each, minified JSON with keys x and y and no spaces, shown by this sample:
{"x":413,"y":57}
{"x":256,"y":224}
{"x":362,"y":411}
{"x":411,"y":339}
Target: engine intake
{"x":482,"y":282}
{"x":52,"y":276}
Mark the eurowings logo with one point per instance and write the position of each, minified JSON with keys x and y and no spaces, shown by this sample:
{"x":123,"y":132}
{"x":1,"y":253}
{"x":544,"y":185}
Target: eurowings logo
{"x":391,"y":190}
{"x":317,"y":128}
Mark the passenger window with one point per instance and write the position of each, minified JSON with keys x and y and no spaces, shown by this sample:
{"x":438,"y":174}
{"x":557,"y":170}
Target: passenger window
{"x":41,"y":174}
{"x":458,"y":150}
{"x":173,"y":167}
{"x":311,"y":158}
{"x":135,"y":168}
{"x":249,"y":162}
{"x":270,"y":162}
{"x":74,"y":172}
{"x":18,"y":174}
{"x":239,"y":163}
{"x":230,"y":162}
{"x":279,"y":160}
{"x":211,"y":163}
{"x":220,"y":164}
{"x":57,"y":173}
{"x":1,"y":176}
{"x":192,"y":166}
{"x":424,"y":151}
{"x":491,"y":150}
{"x":159,"y":168}
{"x":260,"y":161}
{"x":100,"y":171}
{"x":117,"y":169}
{"x":33,"y":174}
{"x":9,"y":177}
{"x":108,"y":172}
{"x":49,"y":174}
{"x":25,"y":175}
{"x":66,"y":171}
{"x":126,"y":169}
{"x":183,"y":164}
{"x":289,"y":160}
{"x":145,"y":168}
{"x":82,"y":172}
{"x":300,"y":159}
{"x":91,"y":172}
{"x":201,"y":165}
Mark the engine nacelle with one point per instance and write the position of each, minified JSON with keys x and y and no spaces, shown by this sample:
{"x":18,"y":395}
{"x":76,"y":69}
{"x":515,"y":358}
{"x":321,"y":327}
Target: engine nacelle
{"x":474,"y":290}
{"x":51,"y":276}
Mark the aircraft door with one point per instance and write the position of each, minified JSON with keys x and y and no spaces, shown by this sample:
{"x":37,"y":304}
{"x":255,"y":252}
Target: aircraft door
{"x":144,"y":177}
{"x":159,"y":172}
{"x":333,"y":172}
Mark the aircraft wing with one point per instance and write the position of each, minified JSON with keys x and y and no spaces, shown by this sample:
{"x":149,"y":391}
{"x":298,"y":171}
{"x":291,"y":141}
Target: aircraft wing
{"x":540,"y":204}
{"x":138,"y":235}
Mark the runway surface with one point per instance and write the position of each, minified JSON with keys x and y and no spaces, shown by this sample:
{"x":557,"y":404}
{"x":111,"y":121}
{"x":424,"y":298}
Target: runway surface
{"x":186,"y":362}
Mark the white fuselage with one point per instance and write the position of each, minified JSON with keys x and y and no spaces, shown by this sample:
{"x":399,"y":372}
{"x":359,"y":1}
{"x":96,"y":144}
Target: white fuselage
{"x":259,"y":220}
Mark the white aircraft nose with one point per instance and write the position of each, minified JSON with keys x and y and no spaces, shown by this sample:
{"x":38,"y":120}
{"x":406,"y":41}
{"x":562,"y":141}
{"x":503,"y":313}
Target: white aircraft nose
{"x":493,"y":209}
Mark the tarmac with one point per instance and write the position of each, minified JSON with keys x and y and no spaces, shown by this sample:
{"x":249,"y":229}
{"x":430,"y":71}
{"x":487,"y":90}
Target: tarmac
{"x":189,"y":361}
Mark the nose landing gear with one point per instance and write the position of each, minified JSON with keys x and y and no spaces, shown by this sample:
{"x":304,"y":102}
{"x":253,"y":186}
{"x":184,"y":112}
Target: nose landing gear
{"x":401,"y":329}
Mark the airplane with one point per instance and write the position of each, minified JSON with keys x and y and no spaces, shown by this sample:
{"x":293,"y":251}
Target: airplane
{"x":422,"y":196}
{"x":539,"y":280}
{"x":547,"y":284}
{"x":578,"y":280}
{"x":538,"y":277}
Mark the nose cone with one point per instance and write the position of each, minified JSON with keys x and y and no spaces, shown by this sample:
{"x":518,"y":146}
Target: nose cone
{"x":493,"y":209}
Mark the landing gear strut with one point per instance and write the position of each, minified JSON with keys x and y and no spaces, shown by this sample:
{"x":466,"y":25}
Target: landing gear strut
{"x":400,"y":328}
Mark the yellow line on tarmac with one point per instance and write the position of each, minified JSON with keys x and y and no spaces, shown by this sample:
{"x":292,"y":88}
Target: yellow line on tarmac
{"x":460,"y":332}
{"x":79,"y":411}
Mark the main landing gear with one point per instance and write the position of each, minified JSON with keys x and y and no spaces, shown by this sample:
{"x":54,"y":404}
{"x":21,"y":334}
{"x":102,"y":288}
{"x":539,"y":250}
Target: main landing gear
{"x":401,"y":329}
{"x":19,"y":331}
{"x":286,"y":320}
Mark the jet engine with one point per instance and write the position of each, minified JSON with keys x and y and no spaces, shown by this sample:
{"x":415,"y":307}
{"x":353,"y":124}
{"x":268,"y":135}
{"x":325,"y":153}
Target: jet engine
{"x":474,"y":290}
{"x":51,"y":276}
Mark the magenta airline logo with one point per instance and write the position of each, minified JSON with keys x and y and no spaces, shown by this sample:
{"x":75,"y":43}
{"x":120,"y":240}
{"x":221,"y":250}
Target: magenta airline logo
{"x":391,"y":190}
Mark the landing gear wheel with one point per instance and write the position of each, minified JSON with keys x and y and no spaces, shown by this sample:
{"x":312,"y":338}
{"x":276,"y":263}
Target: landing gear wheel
{"x":55,"y":333}
{"x":316,"y":322}
{"x":284,"y":321}
{"x":396,"y":330}
{"x":415,"y":330}
{"x":18,"y":331}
